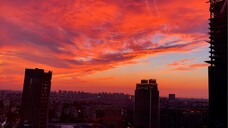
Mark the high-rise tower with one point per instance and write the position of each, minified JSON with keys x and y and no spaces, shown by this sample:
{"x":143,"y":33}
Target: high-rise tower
{"x":36,"y":91}
{"x":217,"y":71}
{"x":147,"y":104}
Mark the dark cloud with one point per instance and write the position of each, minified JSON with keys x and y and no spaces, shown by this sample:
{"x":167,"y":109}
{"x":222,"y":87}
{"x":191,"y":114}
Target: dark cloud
{"x":43,"y":59}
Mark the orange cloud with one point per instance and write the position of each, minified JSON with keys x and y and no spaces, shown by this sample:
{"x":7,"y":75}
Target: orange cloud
{"x":180,"y":62}
{"x":77,"y":38}
{"x":181,"y":65}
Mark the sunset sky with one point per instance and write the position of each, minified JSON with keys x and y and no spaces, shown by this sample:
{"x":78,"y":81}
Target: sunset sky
{"x":107,"y":45}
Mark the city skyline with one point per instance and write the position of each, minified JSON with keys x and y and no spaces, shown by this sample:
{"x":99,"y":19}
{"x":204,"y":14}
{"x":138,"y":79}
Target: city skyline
{"x":107,"y":46}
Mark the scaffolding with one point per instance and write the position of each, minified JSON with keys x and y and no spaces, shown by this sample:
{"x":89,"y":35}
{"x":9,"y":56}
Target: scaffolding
{"x":218,"y":64}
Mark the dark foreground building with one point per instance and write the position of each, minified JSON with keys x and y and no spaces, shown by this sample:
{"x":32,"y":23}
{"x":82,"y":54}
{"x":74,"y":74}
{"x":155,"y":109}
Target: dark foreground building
{"x":146,"y":104}
{"x":36,"y":91}
{"x":218,"y":64}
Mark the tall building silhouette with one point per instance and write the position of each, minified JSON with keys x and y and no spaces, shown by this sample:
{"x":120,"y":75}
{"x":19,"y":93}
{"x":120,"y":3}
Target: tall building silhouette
{"x":147,"y":104}
{"x":36,"y":91}
{"x":217,"y":71}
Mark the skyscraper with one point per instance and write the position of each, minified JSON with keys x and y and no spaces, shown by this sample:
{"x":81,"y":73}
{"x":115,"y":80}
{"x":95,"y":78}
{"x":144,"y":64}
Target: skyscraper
{"x":36,"y":91}
{"x":218,"y":64}
{"x":146,"y":104}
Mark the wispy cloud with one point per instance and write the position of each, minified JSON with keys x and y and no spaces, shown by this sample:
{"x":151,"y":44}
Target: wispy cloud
{"x":185,"y":65}
{"x":83,"y":37}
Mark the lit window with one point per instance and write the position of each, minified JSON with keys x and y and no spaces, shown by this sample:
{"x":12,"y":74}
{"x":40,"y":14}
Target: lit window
{"x":30,"y":82}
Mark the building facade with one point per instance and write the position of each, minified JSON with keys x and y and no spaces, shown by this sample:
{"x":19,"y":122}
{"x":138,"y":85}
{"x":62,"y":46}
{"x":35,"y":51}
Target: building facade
{"x":172,"y":96}
{"x":217,"y":71}
{"x":146,"y":109}
{"x":35,"y":97}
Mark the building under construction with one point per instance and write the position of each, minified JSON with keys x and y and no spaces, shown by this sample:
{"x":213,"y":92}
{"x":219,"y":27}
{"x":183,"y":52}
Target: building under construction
{"x":218,"y":64}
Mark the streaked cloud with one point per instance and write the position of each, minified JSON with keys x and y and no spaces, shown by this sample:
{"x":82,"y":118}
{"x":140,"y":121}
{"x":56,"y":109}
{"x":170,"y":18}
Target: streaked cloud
{"x":76,"y":38}
{"x":185,"y":65}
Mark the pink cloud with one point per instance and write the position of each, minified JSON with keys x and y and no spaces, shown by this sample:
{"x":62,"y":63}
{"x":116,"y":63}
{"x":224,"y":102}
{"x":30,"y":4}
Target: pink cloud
{"x":83,"y":37}
{"x":186,"y":64}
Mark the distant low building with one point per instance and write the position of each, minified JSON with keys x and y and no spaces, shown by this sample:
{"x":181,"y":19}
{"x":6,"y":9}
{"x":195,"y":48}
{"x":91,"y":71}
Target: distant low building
{"x":172,"y":96}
